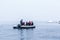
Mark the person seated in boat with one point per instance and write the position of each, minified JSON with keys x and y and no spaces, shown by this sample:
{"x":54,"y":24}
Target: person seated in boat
{"x":30,"y":23}
{"x":27,"y":23}
{"x":21,"y":22}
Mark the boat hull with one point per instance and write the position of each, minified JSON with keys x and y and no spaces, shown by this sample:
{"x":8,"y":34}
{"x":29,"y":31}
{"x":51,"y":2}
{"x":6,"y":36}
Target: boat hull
{"x":24,"y":27}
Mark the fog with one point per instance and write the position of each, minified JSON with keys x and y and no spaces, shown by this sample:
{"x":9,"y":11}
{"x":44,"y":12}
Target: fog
{"x":41,"y":10}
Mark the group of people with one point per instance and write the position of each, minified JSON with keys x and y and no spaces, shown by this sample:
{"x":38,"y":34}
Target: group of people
{"x":26,"y":23}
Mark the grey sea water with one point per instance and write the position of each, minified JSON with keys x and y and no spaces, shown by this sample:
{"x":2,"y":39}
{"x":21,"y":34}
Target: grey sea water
{"x":43,"y":31}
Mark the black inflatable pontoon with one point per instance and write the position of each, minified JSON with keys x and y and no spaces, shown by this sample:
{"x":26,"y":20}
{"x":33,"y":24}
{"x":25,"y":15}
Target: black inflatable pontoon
{"x":24,"y":27}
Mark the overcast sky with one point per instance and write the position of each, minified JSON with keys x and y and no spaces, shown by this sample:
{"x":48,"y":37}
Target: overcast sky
{"x":29,"y":9}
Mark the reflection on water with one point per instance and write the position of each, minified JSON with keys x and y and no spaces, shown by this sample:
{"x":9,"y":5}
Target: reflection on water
{"x":26,"y":34}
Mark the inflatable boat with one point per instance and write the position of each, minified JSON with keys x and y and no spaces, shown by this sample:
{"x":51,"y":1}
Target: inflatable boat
{"x":25,"y":25}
